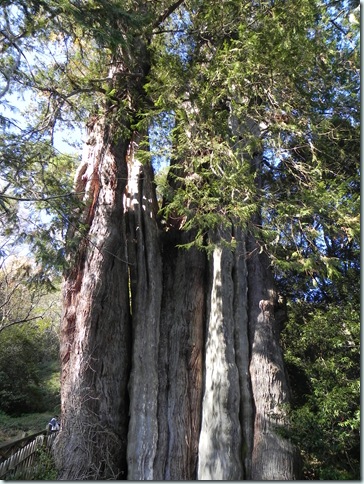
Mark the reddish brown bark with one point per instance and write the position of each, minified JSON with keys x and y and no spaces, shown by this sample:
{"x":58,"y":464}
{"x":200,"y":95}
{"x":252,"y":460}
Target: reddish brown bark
{"x":185,"y":380}
{"x":171,"y":364}
{"x":96,"y":327}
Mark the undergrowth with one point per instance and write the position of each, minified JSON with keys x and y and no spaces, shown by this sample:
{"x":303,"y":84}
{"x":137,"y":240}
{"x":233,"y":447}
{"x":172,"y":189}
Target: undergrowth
{"x":13,"y":428}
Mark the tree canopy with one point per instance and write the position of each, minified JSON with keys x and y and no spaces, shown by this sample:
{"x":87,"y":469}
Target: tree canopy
{"x":286,"y":74}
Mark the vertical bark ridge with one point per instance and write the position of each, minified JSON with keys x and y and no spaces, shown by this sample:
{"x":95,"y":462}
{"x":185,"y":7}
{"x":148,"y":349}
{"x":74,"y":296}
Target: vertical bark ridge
{"x":273,"y":456}
{"x":242,"y":351}
{"x":146,"y":286}
{"x":220,"y":443}
{"x":203,"y":367}
{"x":267,"y":456}
{"x":94,"y":391}
{"x":181,"y":347}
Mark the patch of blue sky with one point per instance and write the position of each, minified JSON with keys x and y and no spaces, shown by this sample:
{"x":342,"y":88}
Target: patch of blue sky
{"x":160,"y":140}
{"x":180,"y":43}
{"x":16,"y":108}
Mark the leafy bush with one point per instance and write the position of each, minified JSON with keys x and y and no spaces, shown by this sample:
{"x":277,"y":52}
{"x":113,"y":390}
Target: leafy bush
{"x":322,"y":352}
{"x":45,"y":469}
{"x":24,"y":370}
{"x":12,"y":428}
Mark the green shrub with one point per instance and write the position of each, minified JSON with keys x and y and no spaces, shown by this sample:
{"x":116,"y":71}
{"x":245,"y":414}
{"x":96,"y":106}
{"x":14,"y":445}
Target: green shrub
{"x":29,"y":373}
{"x":43,"y":469}
{"x":12,"y":428}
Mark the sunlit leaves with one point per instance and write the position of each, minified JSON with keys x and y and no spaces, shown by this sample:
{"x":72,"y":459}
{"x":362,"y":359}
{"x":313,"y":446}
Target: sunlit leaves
{"x":325,"y":347}
{"x":282,"y":83}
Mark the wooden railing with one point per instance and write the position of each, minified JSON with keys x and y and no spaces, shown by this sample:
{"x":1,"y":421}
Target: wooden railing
{"x":20,"y":455}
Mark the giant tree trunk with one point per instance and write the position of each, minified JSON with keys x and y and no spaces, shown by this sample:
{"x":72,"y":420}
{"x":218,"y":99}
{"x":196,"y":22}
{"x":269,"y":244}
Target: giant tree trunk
{"x":171,"y":364}
{"x":96,"y":328}
{"x":185,"y":380}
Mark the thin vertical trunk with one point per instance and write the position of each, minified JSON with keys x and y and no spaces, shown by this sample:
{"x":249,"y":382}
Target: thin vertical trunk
{"x":220,"y":442}
{"x":145,"y":266}
{"x":273,"y":457}
{"x":242,"y":347}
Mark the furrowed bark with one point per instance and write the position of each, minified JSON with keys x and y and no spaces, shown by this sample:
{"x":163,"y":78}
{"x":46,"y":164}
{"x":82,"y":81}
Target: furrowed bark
{"x":96,"y":324}
{"x":242,"y":347}
{"x":273,"y":457}
{"x":180,"y":360}
{"x":145,"y":266}
{"x":204,"y":369}
{"x":171,"y":364}
{"x":220,"y":443}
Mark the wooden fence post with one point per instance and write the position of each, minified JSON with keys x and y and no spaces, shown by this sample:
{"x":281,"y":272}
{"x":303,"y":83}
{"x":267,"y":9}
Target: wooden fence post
{"x":23,"y":454}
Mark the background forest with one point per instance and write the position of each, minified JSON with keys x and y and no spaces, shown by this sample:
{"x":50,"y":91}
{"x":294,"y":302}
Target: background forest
{"x":284,"y":73}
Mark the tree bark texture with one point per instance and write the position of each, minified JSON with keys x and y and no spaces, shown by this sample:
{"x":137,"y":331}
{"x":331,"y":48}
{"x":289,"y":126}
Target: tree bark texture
{"x":171,"y":364}
{"x":96,"y":328}
{"x":272,"y":454}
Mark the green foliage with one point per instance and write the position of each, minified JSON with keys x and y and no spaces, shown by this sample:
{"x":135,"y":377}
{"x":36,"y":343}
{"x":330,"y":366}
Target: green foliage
{"x":28,"y":338}
{"x":25,"y":384}
{"x":264,"y":63}
{"x":16,"y":427}
{"x":256,"y":108}
{"x":37,"y":196}
{"x":281,"y":82}
{"x":27,"y":293}
{"x":45,"y":469}
{"x":19,"y":380}
{"x":37,"y":199}
{"x":322,"y":352}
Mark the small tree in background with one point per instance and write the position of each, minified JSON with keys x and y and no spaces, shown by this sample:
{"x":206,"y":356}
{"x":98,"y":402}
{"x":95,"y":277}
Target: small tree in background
{"x":29,"y":337}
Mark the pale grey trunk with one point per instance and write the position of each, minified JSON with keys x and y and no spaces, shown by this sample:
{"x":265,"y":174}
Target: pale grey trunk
{"x":245,"y":387}
{"x":273,"y":457}
{"x":220,"y":442}
{"x":185,"y":380}
{"x":145,"y":266}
